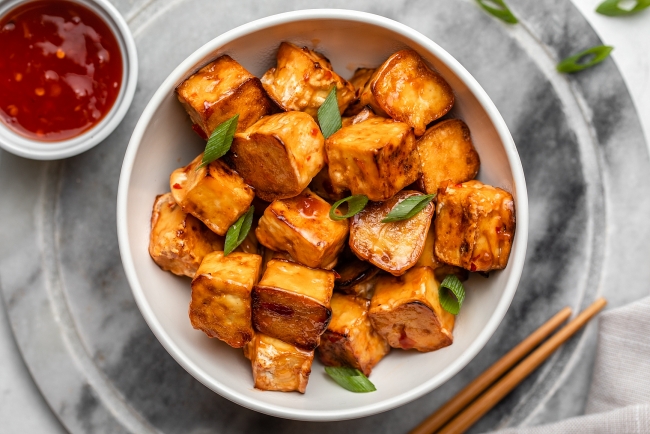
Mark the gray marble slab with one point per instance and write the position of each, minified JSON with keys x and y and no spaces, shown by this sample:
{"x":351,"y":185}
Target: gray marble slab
{"x":586,"y":163}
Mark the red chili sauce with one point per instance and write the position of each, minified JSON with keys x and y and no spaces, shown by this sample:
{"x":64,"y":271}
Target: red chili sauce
{"x":60,"y":69}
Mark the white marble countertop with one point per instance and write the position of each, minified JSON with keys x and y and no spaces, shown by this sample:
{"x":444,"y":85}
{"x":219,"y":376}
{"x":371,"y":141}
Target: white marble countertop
{"x":22,"y":409}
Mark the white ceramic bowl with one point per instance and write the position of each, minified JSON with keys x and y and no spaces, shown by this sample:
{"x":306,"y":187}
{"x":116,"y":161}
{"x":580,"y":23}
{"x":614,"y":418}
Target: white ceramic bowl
{"x":23,"y":146}
{"x":163,"y":141}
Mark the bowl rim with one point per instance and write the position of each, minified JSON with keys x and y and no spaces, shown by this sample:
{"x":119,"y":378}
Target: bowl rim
{"x":519,"y":185}
{"x":23,"y":146}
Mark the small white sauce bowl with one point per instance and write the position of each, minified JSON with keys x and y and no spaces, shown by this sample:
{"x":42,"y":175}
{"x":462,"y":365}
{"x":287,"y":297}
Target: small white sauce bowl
{"x":23,"y":146}
{"x":163,"y":140}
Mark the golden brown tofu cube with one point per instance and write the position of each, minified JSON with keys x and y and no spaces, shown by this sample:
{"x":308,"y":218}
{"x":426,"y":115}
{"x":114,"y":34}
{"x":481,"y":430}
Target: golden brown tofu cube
{"x":322,"y":186}
{"x":356,"y":277}
{"x":359,"y":80}
{"x":179,"y":241}
{"x":301,"y":226}
{"x":292,"y":303}
{"x":394,"y":247}
{"x":219,"y":91}
{"x":279,"y":155}
{"x":446,"y":154}
{"x":440,"y":269}
{"x":406,"y":311}
{"x":376,"y":157}
{"x":278,"y":365}
{"x":215,"y":194}
{"x":350,"y":339}
{"x":407,"y":90}
{"x":302,"y":80}
{"x":475,"y":225}
{"x":221,"y":296}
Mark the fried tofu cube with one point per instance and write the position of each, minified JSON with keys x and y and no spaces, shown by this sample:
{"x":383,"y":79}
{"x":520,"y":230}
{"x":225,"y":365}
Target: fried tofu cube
{"x":301,"y":226}
{"x":350,"y":339}
{"x":219,"y":91}
{"x":278,"y":365}
{"x":356,"y":277}
{"x":279,"y":155}
{"x":221,"y":296}
{"x":407,"y":312}
{"x":376,"y":157}
{"x":179,"y":241}
{"x":359,"y":80}
{"x":446,"y":154}
{"x":292,"y":303}
{"x":407,"y":90}
{"x":475,"y":225}
{"x":302,"y":79}
{"x":394,"y":247}
{"x":215,"y":194}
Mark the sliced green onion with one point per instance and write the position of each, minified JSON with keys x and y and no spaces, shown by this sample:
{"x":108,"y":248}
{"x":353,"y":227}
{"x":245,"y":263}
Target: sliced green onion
{"x":611,"y":8}
{"x":238,"y":231}
{"x":350,"y":379}
{"x":407,"y":208}
{"x":451,"y":294}
{"x":356,"y":204}
{"x":329,"y":116}
{"x":573,"y":63}
{"x":219,"y":141}
{"x":499,"y":9}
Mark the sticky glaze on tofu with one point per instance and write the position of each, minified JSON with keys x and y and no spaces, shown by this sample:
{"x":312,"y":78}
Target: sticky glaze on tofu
{"x":440,"y":269}
{"x":394,"y":247}
{"x":376,"y":157}
{"x":407,"y":90}
{"x":278,"y":365}
{"x":322,"y":186}
{"x":475,"y":226}
{"x":221,"y":296}
{"x":302,"y":79}
{"x":350,"y":339}
{"x":179,"y":241}
{"x":301,"y":227}
{"x":219,"y":91}
{"x":406,"y":311}
{"x":446,"y":154}
{"x":292,"y":303}
{"x":215,"y":194}
{"x":356,"y":277}
{"x":279,"y":155}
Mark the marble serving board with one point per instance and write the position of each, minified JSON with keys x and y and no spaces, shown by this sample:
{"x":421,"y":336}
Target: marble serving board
{"x":101,"y":369}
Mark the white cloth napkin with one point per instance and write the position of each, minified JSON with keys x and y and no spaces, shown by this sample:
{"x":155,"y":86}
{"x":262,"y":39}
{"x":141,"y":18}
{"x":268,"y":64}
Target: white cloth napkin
{"x":619,"y":398}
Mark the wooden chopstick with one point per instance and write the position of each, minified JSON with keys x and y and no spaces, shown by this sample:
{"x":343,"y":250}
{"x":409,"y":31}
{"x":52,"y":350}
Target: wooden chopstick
{"x":483,"y":381}
{"x":501,"y":388}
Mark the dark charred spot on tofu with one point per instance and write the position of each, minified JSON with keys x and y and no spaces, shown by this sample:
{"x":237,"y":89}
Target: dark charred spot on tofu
{"x":278,"y":309}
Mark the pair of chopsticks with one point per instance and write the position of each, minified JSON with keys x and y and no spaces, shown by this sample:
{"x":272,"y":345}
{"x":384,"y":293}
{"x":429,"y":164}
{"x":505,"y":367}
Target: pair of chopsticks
{"x":464,"y":409}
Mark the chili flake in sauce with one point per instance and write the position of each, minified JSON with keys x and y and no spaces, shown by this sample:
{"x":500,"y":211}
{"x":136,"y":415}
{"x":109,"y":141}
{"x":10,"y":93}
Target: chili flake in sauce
{"x":60,"y":69}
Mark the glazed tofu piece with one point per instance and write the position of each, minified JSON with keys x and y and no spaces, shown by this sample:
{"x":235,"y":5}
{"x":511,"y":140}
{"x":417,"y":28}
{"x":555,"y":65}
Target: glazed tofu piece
{"x":221,"y":296}
{"x":350,"y":339}
{"x":406,"y":311}
{"x":278,"y":365}
{"x":440,"y":269}
{"x":475,"y":225}
{"x":356,"y":277}
{"x":446,"y":154}
{"x":302,"y":79}
{"x":394,"y":247}
{"x":359,"y":80}
{"x":279,"y":155}
{"x":215,"y":194}
{"x":376,"y":157}
{"x":322,"y":186}
{"x":292,"y":303}
{"x":219,"y":91}
{"x":407,"y":90}
{"x":179,"y":241}
{"x":301,"y":226}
